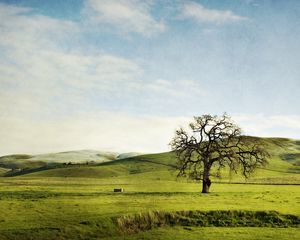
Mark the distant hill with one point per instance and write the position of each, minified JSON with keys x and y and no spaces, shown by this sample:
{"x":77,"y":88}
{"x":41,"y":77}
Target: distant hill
{"x":283,"y":165}
{"x":18,"y":162}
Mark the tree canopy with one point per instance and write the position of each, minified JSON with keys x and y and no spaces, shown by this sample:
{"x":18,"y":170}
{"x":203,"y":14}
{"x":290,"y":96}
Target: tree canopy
{"x":215,"y":141}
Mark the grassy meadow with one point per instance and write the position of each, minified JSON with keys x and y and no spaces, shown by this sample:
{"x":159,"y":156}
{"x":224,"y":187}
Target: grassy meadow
{"x":52,"y":200}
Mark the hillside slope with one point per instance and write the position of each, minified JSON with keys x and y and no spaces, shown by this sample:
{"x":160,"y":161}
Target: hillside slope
{"x":19,"y":164}
{"x":283,"y":165}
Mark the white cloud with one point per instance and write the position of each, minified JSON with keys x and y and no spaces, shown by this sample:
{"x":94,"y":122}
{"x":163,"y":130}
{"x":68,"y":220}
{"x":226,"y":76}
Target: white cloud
{"x":125,"y":15}
{"x":22,"y":29}
{"x":36,"y":70}
{"x":270,"y":126}
{"x":47,"y":91}
{"x":201,"y":14}
{"x":11,"y":10}
{"x":38,"y":74}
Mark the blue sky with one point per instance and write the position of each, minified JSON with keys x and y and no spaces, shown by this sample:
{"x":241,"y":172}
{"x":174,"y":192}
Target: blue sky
{"x":121,"y":75}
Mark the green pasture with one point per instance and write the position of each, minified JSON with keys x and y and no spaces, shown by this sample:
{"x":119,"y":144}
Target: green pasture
{"x":83,"y":208}
{"x":78,"y":202}
{"x":213,"y":233}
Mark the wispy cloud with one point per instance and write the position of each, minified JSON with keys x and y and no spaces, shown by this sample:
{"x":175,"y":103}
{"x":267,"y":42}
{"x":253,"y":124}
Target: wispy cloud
{"x":270,"y":126}
{"x":36,"y":69}
{"x":201,"y":14}
{"x":10,"y":10}
{"x":40,"y":76}
{"x":125,"y":15}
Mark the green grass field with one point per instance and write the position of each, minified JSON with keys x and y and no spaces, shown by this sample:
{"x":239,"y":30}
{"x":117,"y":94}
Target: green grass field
{"x":77,"y":201}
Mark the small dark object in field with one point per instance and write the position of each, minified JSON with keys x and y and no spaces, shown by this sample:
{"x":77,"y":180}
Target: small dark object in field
{"x":85,"y":223}
{"x":187,"y":228}
{"x":118,"y":190}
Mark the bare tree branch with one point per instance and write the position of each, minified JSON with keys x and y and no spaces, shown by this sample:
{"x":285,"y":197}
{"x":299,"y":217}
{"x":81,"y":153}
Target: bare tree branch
{"x":215,"y":141}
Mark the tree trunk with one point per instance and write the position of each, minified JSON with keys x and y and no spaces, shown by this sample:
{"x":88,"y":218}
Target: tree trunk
{"x":206,"y":185}
{"x":206,"y":181}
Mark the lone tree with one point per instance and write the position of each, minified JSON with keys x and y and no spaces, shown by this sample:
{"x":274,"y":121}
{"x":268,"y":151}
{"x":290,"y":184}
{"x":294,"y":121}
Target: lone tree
{"x":215,"y":141}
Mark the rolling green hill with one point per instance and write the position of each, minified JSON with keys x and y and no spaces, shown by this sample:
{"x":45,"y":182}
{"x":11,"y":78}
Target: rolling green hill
{"x":283,"y":164}
{"x":30,"y":161}
{"x":74,"y":164}
{"x":20,"y":164}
